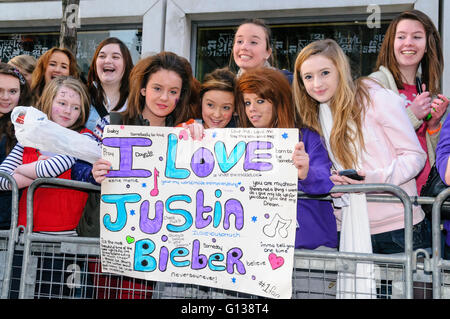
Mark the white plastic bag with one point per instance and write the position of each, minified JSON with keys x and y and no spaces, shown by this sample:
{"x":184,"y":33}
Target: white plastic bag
{"x":34,"y":129}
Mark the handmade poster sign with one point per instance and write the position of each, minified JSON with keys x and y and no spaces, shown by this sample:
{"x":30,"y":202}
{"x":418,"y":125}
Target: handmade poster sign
{"x":220,"y":212}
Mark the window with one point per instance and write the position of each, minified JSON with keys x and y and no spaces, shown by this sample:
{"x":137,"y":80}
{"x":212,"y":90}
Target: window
{"x":361,"y":44}
{"x":36,"y":44}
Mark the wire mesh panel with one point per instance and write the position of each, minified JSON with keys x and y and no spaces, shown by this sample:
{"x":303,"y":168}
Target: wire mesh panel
{"x":440,"y":266}
{"x":55,"y":272}
{"x":69,"y":270}
{"x":164,"y":290}
{"x":316,"y":275}
{"x":314,"y":278}
{"x":444,"y":273}
{"x":4,"y":236}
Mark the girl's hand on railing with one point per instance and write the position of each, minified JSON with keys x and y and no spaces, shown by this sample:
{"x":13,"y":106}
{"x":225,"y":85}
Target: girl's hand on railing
{"x":344,"y":180}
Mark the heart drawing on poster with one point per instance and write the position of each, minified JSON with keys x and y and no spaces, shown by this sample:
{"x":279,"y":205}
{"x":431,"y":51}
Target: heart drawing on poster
{"x":184,"y":135}
{"x":130,"y":239}
{"x":275,"y":261}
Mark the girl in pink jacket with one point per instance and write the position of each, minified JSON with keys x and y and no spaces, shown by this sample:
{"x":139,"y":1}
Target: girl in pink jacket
{"x":365,"y":127}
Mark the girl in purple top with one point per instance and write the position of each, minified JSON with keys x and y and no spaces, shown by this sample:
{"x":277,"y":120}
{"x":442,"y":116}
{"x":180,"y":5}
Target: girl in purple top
{"x":442,"y":165}
{"x":443,"y":152}
{"x":266,"y":102}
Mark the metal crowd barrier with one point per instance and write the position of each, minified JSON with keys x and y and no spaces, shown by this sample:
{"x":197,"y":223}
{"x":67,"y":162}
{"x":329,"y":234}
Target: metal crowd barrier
{"x":8,"y":238}
{"x":69,"y":267}
{"x":394,"y":272}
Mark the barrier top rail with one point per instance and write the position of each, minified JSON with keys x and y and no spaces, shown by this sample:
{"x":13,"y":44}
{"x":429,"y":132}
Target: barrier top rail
{"x":53,"y":182}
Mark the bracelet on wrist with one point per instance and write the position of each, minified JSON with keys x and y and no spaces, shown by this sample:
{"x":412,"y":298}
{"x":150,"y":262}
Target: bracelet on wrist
{"x":431,"y":132}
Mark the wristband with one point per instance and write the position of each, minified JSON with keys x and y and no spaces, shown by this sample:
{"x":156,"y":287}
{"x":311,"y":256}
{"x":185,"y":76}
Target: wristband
{"x":436,"y":130}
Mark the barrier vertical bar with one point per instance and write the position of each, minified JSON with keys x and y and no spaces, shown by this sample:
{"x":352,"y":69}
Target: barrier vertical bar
{"x":13,"y":233}
{"x":436,"y":248}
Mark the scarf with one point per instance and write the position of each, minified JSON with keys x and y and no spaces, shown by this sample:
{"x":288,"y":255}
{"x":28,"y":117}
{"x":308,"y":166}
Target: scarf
{"x":355,"y":230}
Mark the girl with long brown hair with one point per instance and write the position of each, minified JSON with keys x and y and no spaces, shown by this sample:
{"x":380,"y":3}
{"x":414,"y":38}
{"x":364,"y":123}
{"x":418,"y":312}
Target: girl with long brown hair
{"x":218,"y":99}
{"x":412,"y":42}
{"x":25,"y":64}
{"x":107,"y":80}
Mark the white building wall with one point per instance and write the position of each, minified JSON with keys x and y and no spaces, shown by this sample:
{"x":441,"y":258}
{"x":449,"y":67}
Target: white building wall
{"x":166,"y":24}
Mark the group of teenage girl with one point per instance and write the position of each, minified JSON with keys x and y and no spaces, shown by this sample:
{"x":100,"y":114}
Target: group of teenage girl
{"x":385,"y":125}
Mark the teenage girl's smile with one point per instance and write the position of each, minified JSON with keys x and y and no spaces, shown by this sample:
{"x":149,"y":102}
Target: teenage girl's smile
{"x":217,"y":108}
{"x":66,"y":107}
{"x":410,"y":43}
{"x":58,"y":64}
{"x":250,"y":47}
{"x":110,"y":64}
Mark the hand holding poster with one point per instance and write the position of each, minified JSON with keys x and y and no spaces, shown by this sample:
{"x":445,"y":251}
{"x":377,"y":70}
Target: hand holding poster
{"x":220,"y":212}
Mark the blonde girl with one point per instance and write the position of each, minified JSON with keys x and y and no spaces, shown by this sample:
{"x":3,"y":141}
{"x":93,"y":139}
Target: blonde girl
{"x":366,"y":128}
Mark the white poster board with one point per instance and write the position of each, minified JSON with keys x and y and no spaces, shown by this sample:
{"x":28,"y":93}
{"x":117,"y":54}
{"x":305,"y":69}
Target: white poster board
{"x":220,"y":212}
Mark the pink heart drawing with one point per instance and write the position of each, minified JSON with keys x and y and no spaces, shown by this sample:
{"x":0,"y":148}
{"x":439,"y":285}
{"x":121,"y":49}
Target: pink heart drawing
{"x":275,"y":261}
{"x":184,"y":135}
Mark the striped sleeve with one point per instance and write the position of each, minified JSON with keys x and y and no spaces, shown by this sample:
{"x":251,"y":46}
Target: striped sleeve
{"x":11,"y":162}
{"x":54,"y":166}
{"x":99,"y":127}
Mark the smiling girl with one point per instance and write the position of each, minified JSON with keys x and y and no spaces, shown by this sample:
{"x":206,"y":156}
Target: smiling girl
{"x":65,"y":102}
{"x":107,"y":81}
{"x":14,"y":91}
{"x":217,"y":101}
{"x":366,"y":128}
{"x":412,"y":41}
